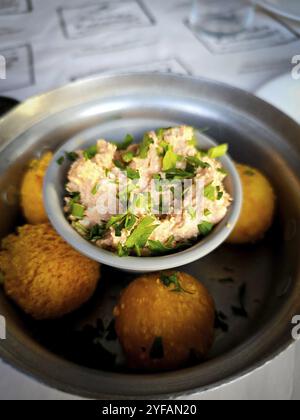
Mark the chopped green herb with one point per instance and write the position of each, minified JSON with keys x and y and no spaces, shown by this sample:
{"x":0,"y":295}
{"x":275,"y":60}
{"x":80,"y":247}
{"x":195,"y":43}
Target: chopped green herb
{"x":130,"y":221}
{"x":207,"y":212}
{"x":144,"y":148}
{"x":173,"y":280}
{"x":192,"y":213}
{"x":72,"y":156}
{"x":127,"y":157}
{"x":126,"y":143}
{"x":210,"y":192}
{"x":139,"y":237}
{"x":132,"y":174}
{"x":220,"y":195}
{"x":218,"y":151}
{"x":197,"y":163}
{"x":156,"y":247}
{"x":205,"y":228}
{"x":122,"y":251}
{"x":178,"y":174}
{"x":60,"y":161}
{"x":114,"y":220}
{"x":77,"y":210}
{"x":222,"y":171}
{"x":75,"y":196}
{"x":157,"y":349}
{"x":83,"y":231}
{"x":95,"y":189}
{"x":97,"y":232}
{"x":170,"y":160}
{"x":90,"y":153}
{"x":119,"y":164}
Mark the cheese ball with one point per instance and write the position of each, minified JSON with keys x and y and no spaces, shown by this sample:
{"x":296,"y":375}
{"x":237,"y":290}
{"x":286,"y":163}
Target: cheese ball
{"x":164,"y":321}
{"x":44,"y":275}
{"x":32,"y":190}
{"x":258,"y":207}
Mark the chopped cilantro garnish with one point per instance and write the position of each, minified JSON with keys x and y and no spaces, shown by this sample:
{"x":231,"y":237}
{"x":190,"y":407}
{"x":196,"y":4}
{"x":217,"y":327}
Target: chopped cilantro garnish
{"x":91,"y":152}
{"x":132,"y":174}
{"x":72,"y":156}
{"x":197,"y":163}
{"x":130,"y":221}
{"x":126,"y":143}
{"x":119,"y":164}
{"x":172,"y":280}
{"x":139,"y":237}
{"x":170,"y":160}
{"x":178,"y":174}
{"x":95,"y":189}
{"x":60,"y":161}
{"x":77,"y":210}
{"x":122,"y":251}
{"x":210,"y":192}
{"x":157,"y":350}
{"x":205,"y":228}
{"x":222,"y":171}
{"x":127,"y":157}
{"x":220,"y":195}
{"x":97,"y":232}
{"x":192,"y":212}
{"x":144,"y":148}
{"x":207,"y":212}
{"x":218,"y":151}
{"x":156,"y":247}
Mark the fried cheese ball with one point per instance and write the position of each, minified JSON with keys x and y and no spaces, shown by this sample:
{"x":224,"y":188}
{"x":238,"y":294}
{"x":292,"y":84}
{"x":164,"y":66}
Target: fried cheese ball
{"x":44,"y":275}
{"x":32,"y":190}
{"x":258,"y":207}
{"x":165,"y":320}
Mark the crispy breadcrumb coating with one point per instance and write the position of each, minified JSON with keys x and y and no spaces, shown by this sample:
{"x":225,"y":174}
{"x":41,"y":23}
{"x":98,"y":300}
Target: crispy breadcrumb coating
{"x":44,"y":275}
{"x":258,"y":209}
{"x":32,"y":190}
{"x":160,"y":328}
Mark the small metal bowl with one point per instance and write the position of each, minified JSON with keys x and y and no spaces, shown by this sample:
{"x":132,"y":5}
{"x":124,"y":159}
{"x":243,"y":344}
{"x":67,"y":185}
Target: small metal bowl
{"x":54,"y":193}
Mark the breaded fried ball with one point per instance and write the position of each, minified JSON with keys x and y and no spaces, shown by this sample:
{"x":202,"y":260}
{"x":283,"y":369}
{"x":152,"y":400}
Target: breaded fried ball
{"x":44,"y":275}
{"x":32,"y":190}
{"x":165,"y":320}
{"x":258,"y":207}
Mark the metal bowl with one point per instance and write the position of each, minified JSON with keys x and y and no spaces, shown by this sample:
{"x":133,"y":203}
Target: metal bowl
{"x":267,"y":274}
{"x":54,"y":193}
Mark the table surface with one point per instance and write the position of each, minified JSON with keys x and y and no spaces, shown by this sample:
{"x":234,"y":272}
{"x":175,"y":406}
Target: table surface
{"x":49,"y":44}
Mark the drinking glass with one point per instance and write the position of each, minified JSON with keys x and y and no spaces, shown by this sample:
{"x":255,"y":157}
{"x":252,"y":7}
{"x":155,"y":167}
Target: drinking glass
{"x":222,"y":17}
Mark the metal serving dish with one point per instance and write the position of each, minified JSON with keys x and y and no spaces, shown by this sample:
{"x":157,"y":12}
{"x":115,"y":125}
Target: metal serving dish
{"x":265,"y":276}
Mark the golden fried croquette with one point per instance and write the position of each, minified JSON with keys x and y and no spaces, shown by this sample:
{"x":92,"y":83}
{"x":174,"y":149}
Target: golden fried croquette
{"x":44,"y":275}
{"x":164,"y":319}
{"x":32,"y":190}
{"x":258,"y":207}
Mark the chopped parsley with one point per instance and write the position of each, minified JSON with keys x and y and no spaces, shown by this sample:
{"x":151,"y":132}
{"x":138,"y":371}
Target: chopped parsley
{"x":178,"y":174}
{"x":218,"y":151}
{"x":145,"y":146}
{"x":77,"y":210}
{"x":170,"y":159}
{"x":126,"y":142}
{"x":90,"y":153}
{"x":95,"y":189}
{"x":222,"y":171}
{"x":60,"y":161}
{"x":210,"y":192}
{"x":205,"y":228}
{"x":157,"y":350}
{"x":207,"y":212}
{"x":97,"y":232}
{"x":193,"y":161}
{"x":119,"y":164}
{"x":72,"y":156}
{"x":173,"y":280}
{"x":127,"y":157}
{"x":139,"y":237}
{"x":132,"y":174}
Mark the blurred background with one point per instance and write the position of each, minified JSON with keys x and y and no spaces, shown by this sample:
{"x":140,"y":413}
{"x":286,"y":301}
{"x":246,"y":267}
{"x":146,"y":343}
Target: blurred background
{"x":251,"y":45}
